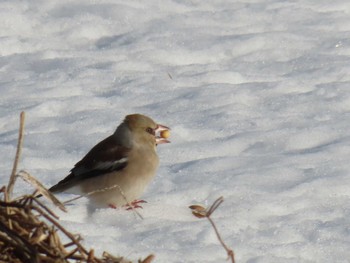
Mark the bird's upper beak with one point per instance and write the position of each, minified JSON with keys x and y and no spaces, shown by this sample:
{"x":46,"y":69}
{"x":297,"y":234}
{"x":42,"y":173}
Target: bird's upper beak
{"x":161,"y":135}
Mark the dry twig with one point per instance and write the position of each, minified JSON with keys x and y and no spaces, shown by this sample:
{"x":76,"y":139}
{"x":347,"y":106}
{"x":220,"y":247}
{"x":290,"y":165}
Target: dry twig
{"x":18,"y":153}
{"x":35,"y":236}
{"x":201,"y":212}
{"x":41,"y":189}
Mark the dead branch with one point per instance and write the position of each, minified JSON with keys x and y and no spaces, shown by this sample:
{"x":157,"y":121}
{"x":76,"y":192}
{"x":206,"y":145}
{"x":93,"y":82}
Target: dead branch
{"x":13,"y":176}
{"x":35,"y":236}
{"x":41,"y":189}
{"x":201,"y":212}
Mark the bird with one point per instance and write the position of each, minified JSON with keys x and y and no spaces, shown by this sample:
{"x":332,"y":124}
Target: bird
{"x":116,"y":171}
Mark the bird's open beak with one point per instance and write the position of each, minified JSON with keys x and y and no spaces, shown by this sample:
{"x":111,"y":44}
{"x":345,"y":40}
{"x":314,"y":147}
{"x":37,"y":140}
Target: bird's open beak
{"x":162,"y":133}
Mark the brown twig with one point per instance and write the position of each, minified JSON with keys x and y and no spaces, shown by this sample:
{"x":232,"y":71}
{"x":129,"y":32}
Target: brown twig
{"x":6,"y":198}
{"x":41,"y":189}
{"x":148,"y":259}
{"x":18,"y":153}
{"x":228,"y":250}
{"x":200,"y":212}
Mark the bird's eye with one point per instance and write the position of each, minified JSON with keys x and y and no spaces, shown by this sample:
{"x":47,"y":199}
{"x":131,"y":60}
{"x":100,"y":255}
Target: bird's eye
{"x":150,"y":131}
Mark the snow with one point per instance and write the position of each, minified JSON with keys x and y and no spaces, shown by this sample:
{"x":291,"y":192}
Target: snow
{"x":256,"y":93}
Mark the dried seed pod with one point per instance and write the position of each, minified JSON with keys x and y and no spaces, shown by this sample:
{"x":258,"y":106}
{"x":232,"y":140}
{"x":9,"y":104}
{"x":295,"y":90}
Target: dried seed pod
{"x":197,"y":207}
{"x":198,"y":211}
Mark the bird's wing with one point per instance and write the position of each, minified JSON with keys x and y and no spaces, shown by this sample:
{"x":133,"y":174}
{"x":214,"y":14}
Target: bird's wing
{"x":107,"y":156}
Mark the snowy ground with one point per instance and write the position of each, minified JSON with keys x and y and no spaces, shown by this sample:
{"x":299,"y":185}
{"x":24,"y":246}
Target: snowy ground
{"x":257,"y":94}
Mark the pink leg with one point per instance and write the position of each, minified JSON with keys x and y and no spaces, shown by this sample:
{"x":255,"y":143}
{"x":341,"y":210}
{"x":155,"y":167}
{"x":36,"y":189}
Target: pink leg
{"x":112,"y":206}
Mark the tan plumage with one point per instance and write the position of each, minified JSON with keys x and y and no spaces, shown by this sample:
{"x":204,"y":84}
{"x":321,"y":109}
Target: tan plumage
{"x":125,"y":161}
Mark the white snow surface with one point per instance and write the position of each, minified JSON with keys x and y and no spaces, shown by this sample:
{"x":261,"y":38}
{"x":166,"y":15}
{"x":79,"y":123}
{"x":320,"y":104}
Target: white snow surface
{"x":257,"y":94}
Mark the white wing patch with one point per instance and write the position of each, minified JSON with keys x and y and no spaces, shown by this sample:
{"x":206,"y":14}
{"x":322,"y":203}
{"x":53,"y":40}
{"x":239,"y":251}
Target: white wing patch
{"x":110,"y":165}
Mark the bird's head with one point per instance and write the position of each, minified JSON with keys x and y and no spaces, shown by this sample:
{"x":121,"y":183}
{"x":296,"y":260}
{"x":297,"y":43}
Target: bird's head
{"x":145,"y":130}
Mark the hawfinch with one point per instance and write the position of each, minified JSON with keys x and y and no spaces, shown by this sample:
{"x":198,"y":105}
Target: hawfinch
{"x":115,"y":172}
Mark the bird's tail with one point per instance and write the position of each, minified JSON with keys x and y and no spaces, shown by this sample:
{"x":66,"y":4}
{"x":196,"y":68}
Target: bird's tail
{"x":63,"y":184}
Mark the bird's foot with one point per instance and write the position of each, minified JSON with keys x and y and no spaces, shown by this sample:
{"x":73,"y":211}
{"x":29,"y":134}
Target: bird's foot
{"x":112,"y":206}
{"x":135,"y":204}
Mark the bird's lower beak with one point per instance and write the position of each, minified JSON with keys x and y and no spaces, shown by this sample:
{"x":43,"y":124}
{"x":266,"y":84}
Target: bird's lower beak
{"x":162,"y":133}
